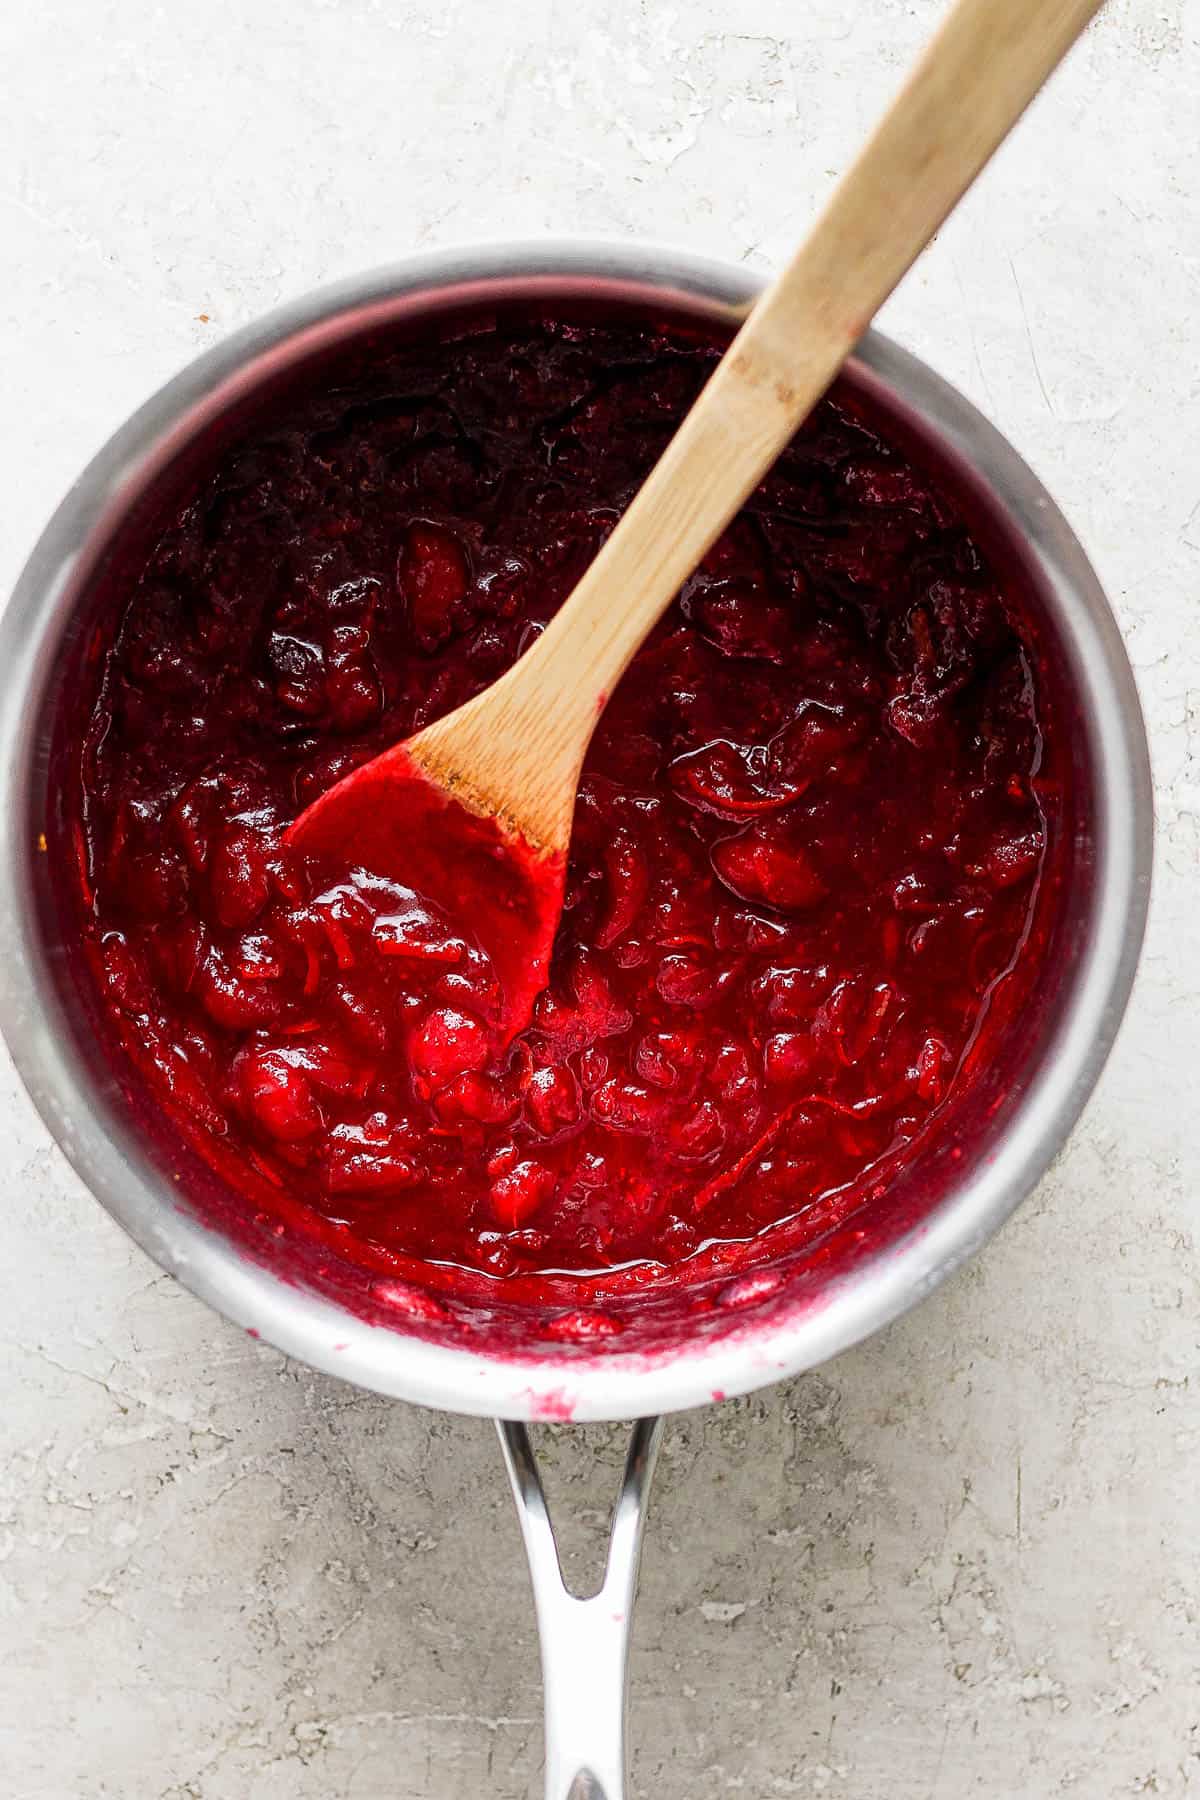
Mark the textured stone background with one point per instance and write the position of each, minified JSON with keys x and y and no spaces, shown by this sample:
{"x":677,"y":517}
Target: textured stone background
{"x":961,"y":1560}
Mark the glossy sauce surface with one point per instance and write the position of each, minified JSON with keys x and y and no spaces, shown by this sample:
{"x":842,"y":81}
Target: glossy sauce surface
{"x":806,"y":846}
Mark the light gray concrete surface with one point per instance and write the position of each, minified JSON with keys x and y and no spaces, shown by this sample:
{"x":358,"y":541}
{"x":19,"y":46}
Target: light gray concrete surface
{"x":961,"y":1560}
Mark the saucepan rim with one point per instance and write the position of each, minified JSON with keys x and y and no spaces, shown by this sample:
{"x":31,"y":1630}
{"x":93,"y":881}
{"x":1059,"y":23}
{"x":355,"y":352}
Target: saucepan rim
{"x":606,"y":1384}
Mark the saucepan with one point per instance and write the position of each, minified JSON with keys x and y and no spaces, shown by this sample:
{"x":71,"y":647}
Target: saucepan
{"x":787,"y":1315}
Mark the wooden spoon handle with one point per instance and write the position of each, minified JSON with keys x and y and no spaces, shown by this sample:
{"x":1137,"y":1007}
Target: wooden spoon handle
{"x":974,"y":81}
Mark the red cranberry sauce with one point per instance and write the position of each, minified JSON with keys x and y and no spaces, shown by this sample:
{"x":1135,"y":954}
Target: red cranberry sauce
{"x":806,"y":846}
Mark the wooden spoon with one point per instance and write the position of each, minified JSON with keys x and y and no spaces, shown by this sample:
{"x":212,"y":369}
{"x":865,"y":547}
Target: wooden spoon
{"x":475,"y":811}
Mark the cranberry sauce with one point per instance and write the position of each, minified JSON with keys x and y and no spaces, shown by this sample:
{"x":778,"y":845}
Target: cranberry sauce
{"x":806,"y":847}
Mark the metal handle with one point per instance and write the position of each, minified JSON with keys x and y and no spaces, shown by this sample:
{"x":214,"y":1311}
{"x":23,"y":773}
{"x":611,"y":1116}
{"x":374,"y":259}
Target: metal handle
{"x":584,"y":1642}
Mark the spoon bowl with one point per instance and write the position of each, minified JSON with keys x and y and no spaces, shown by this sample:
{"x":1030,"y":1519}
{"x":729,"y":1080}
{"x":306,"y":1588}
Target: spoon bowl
{"x":392,"y":820}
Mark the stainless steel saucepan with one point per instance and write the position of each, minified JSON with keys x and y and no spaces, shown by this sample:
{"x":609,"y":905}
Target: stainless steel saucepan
{"x":790,"y":1314}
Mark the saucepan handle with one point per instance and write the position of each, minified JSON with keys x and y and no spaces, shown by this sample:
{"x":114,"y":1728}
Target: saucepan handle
{"x":584,"y":1642}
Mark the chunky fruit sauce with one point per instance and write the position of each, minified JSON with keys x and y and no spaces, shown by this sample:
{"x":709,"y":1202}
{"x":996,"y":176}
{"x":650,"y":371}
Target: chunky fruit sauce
{"x":806,"y":846}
